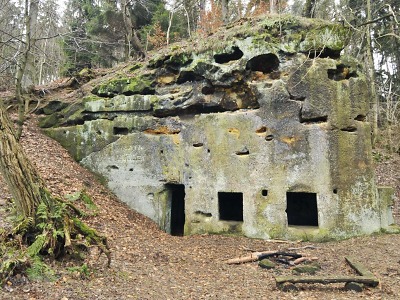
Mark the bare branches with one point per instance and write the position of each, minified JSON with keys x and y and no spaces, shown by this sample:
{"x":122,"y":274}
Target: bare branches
{"x":379,"y":19}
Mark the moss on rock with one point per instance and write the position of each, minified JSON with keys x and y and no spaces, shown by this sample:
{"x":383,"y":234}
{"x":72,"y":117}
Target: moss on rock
{"x":143,"y":84}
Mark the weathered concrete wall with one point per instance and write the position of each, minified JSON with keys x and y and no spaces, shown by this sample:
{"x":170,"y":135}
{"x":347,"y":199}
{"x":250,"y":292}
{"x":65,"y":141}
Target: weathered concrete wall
{"x":263,"y":109}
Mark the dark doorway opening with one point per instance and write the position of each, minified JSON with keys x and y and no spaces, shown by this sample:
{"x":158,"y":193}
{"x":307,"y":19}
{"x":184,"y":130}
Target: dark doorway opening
{"x":302,"y":209}
{"x":177,"y":196}
{"x":230,"y":206}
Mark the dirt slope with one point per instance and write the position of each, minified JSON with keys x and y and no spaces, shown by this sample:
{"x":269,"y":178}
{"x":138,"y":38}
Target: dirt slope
{"x":149,"y":264}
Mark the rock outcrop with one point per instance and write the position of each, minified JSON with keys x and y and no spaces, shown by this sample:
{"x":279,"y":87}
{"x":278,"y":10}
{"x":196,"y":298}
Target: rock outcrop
{"x":258,"y":130}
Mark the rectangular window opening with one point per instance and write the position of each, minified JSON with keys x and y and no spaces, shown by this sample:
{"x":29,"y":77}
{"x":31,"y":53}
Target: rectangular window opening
{"x":302,"y":209}
{"x":230,"y":206}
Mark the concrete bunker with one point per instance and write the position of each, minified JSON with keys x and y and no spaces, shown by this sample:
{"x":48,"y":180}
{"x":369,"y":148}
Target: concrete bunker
{"x":231,"y":142}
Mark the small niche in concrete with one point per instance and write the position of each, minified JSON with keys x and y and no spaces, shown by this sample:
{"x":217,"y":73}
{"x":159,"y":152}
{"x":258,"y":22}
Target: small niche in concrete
{"x":176,"y":196}
{"x":262,"y":129}
{"x":313,"y":120}
{"x":264,"y":193}
{"x":120,"y":130}
{"x":112,"y":167}
{"x":302,"y":209}
{"x":349,"y":128}
{"x":360,"y":118}
{"x":265,"y":63}
{"x":269,"y":137}
{"x":188,"y":76}
{"x":208,"y":90}
{"x":230,"y":206}
{"x":242,"y":152}
{"x":325,"y":53}
{"x":202,"y":213}
{"x":198,"y":145}
{"x":341,"y":72}
{"x":224,"y":58}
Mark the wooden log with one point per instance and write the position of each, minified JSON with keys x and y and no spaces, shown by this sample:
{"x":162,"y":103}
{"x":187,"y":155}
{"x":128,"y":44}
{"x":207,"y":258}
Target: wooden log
{"x":359,"y":268}
{"x":249,"y":258}
{"x":279,"y":253}
{"x":303,"y":259}
{"x":327,"y":279}
{"x":301,"y":248}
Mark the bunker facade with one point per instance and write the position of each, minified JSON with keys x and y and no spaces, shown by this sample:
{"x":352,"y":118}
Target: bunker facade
{"x":259,"y":130}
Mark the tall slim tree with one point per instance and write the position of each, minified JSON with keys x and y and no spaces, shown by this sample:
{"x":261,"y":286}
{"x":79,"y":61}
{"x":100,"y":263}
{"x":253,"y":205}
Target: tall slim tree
{"x":25,"y":70}
{"x":309,"y":8}
{"x":371,"y":74}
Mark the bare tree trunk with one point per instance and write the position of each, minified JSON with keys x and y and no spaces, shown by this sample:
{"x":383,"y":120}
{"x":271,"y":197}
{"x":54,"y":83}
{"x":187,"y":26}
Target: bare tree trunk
{"x":239,"y":9}
{"x":29,"y":191}
{"x":43,"y":59}
{"x":273,"y":6}
{"x":31,"y":37}
{"x":23,"y":78}
{"x":131,"y":38}
{"x":371,"y":75}
{"x":137,"y":44}
{"x":20,"y":175}
{"x":126,"y":16}
{"x":309,"y":9}
{"x":188,"y":21}
{"x":225,"y":11}
{"x":171,"y":16}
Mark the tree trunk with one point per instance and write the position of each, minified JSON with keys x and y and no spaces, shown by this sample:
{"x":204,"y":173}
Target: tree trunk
{"x":273,"y":9}
{"x":132,"y":40}
{"x":371,"y":75}
{"x":188,"y":21}
{"x":23,"y":78}
{"x":126,"y":16}
{"x":170,"y":18}
{"x":309,"y":9}
{"x":29,"y":78}
{"x":225,"y":11}
{"x":20,"y":175}
{"x":29,"y":193}
{"x":137,"y":45}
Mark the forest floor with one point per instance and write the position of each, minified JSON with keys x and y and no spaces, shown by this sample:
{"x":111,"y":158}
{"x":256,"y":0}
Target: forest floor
{"x":147,"y":263}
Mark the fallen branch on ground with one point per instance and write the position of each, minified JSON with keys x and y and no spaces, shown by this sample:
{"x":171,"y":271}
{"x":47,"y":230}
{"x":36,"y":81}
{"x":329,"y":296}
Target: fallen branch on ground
{"x":301,"y":248}
{"x":255,"y":256}
{"x":366,"y":277}
{"x":303,"y":259}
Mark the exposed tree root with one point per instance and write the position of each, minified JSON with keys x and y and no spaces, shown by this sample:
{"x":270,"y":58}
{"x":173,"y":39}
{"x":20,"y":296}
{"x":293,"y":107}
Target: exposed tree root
{"x":56,"y":231}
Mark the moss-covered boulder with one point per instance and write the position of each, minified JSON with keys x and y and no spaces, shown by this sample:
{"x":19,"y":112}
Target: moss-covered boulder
{"x":309,"y":269}
{"x":126,"y":86}
{"x":266,"y":264}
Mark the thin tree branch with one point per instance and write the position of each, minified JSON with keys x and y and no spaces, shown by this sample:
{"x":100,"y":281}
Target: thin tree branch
{"x":378,"y":19}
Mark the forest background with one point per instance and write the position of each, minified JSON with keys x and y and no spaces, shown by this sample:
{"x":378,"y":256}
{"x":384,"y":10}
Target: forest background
{"x":43,"y":40}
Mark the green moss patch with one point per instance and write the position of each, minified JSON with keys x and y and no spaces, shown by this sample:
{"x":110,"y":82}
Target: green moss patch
{"x":143,"y":84}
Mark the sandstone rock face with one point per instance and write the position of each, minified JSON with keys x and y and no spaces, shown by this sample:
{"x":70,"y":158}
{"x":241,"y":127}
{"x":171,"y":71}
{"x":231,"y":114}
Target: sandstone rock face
{"x":259,"y":130}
